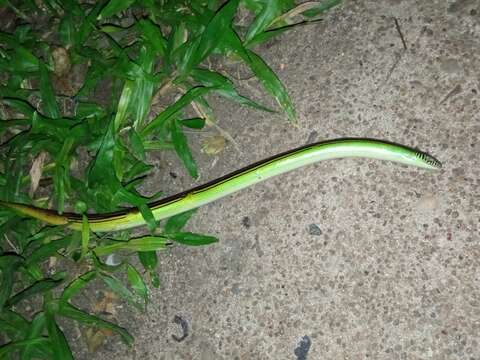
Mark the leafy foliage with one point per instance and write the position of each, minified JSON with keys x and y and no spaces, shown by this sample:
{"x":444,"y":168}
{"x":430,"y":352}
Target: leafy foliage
{"x":80,"y":84}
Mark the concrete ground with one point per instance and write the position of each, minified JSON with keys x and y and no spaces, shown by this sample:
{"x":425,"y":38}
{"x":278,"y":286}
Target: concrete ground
{"x":347,"y":259}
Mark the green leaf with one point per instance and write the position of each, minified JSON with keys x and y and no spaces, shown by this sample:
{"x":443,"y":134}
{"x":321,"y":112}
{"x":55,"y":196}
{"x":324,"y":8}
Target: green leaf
{"x":69,"y":311}
{"x":38,"y":287}
{"x":149,"y":259}
{"x":137,"y":144}
{"x":180,"y":144}
{"x":20,"y":105}
{"x":113,"y":7}
{"x":61,"y":175}
{"x":10,"y":348}
{"x":263,"y":72}
{"x":47,"y":94}
{"x":118,"y":288}
{"x":267,"y":35}
{"x":193,"y":123}
{"x":176,"y":39}
{"x":144,"y":243}
{"x":136,"y":200}
{"x":61,"y":350}
{"x":270,"y":11}
{"x":66,"y":30}
{"x":272,"y":84}
{"x":8,"y":266}
{"x":13,"y":324}
{"x":210,"y":38}
{"x":152,"y":33}
{"x":36,"y":330}
{"x":137,"y":283}
{"x":191,"y":239}
{"x":46,"y":250}
{"x":87,"y":110}
{"x":224,"y":87}
{"x":177,"y":222}
{"x":88,"y":25}
{"x":24,"y":61}
{"x":142,"y":92}
{"x":321,"y":7}
{"x":170,"y":111}
{"x":77,"y":285}
{"x":123,"y":104}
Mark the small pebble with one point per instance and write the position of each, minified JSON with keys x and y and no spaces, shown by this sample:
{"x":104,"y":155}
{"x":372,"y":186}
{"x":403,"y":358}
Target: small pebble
{"x":314,"y":230}
{"x":428,"y":202}
{"x":246,"y":222}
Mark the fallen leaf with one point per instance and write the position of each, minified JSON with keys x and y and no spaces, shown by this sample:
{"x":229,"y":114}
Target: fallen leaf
{"x":214,"y":145}
{"x":36,"y":172}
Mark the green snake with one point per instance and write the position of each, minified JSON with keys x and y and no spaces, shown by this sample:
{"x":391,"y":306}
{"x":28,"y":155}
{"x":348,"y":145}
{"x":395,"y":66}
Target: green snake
{"x":240,"y":179}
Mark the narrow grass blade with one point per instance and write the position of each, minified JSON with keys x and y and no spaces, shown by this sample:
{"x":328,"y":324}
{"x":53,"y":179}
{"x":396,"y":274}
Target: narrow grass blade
{"x":118,"y":288}
{"x":177,"y":222}
{"x":66,"y":30}
{"x":61,"y":350}
{"x":49,"y":103}
{"x":137,"y":145}
{"x":149,"y":260}
{"x":8,"y":266}
{"x":263,"y":72}
{"x":211,"y":37}
{"x":20,"y":105}
{"x":71,"y":312}
{"x":180,"y":144}
{"x":46,"y":250}
{"x":193,"y":123}
{"x":267,"y":35}
{"x":77,"y":285}
{"x":123,"y":104}
{"x":142,"y":244}
{"x":272,"y":84}
{"x":321,"y":7}
{"x":13,"y":324}
{"x":143,"y":87}
{"x":271,"y":9}
{"x":38,"y":287}
{"x":37,"y":328}
{"x":24,"y":61}
{"x":170,"y":111}
{"x":12,"y":347}
{"x":60,"y":178}
{"x":152,"y":33}
{"x":191,"y":239}
{"x":224,"y":87}
{"x":137,"y":283}
{"x":113,"y":7}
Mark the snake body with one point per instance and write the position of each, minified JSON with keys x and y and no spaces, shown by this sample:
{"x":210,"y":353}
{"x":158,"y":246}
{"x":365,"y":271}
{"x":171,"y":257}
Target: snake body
{"x":240,"y":179}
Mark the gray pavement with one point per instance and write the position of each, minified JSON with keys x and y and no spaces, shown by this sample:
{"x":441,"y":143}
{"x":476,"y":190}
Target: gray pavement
{"x":347,"y":259}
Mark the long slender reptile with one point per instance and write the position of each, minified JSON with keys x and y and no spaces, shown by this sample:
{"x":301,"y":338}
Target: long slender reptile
{"x":240,"y":179}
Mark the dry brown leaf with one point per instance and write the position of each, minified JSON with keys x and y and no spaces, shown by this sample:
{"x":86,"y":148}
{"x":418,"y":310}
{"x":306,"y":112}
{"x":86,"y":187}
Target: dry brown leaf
{"x":106,"y":304}
{"x":36,"y":172}
{"x":61,"y":61}
{"x":94,"y":339}
{"x":214,"y":145}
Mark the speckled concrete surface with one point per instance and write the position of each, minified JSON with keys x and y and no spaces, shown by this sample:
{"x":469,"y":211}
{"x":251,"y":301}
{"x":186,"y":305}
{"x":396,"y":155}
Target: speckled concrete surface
{"x":348,"y":259}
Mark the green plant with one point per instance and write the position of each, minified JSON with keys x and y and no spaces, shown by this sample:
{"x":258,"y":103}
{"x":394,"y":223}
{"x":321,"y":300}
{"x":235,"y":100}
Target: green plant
{"x":67,"y":145}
